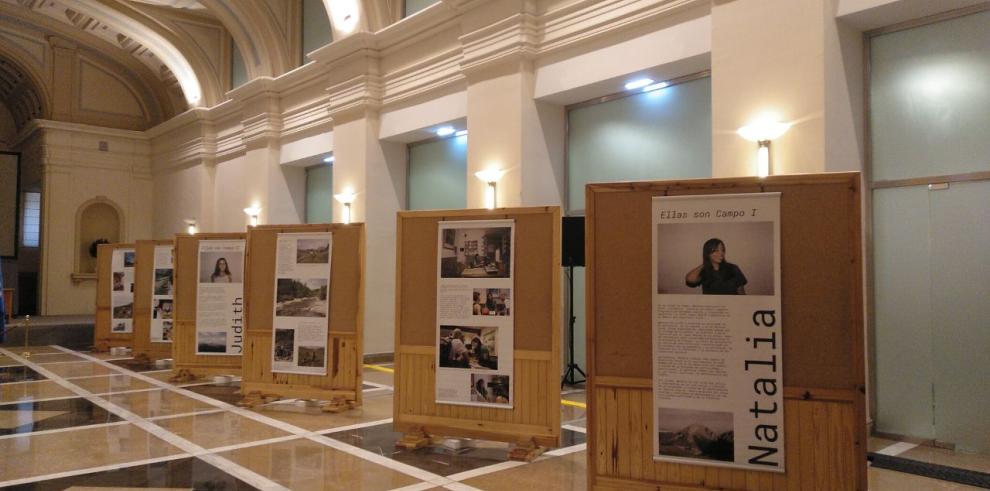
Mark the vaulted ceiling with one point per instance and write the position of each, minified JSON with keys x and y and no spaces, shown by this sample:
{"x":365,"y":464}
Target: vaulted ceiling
{"x":168,"y":55}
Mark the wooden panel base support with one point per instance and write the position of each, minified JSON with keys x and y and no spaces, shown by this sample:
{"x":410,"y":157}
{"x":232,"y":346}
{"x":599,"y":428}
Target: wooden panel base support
{"x":339,"y":405}
{"x":525,"y":451}
{"x":256,"y":398}
{"x":412,"y":440}
{"x":183,"y":375}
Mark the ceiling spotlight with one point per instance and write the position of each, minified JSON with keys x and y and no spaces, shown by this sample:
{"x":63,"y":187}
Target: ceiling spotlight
{"x":639,"y":83}
{"x":327,"y":160}
{"x":656,"y":86}
{"x":445,"y":131}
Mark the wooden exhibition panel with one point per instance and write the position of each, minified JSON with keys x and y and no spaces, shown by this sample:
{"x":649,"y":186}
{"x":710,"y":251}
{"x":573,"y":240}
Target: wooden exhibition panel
{"x":186,"y":277}
{"x":103,"y":338}
{"x":345,"y":346}
{"x":821,"y":303}
{"x":535,"y":415}
{"x":144,"y":283}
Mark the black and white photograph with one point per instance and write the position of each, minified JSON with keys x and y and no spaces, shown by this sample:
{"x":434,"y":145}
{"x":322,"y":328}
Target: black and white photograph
{"x":301,"y":297}
{"x":118,"y":281}
{"x":161,"y":309}
{"x":167,"y":331}
{"x":211,"y":342}
{"x":120,"y":326}
{"x":715,"y":258}
{"x":312,"y":356}
{"x":490,"y":389}
{"x":285,"y":344}
{"x":491,"y":301}
{"x":125,"y":311}
{"x":221,"y":267}
{"x":476,"y":253}
{"x":312,"y":251}
{"x":468,"y":347}
{"x":696,"y":434}
{"x":129,"y":259}
{"x":163,"y":281}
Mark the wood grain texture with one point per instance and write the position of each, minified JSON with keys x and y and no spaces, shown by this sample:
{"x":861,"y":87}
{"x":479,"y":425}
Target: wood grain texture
{"x":821,"y":303}
{"x":103,"y":338}
{"x":144,"y":283}
{"x":184,"y":310}
{"x":537,"y":322}
{"x":345,"y":350}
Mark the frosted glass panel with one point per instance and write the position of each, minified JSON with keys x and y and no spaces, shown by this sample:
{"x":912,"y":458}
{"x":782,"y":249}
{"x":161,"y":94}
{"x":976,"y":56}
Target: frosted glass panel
{"x":902,"y":292}
{"x":315,"y":27}
{"x":664,"y":134}
{"x":319,"y":194}
{"x":961,"y":314}
{"x":438,"y":174}
{"x":413,"y":6}
{"x":930,"y":99}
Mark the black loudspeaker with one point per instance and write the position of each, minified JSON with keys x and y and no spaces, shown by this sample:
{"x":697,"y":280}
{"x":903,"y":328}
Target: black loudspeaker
{"x":572,"y":246}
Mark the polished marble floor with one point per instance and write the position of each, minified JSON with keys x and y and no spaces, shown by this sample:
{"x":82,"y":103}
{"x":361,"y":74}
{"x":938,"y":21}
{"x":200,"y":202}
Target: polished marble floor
{"x":75,"y":420}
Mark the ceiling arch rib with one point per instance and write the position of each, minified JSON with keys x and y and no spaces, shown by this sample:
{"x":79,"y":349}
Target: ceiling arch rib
{"x":21,"y":89}
{"x":150,"y":39}
{"x":261,"y":35}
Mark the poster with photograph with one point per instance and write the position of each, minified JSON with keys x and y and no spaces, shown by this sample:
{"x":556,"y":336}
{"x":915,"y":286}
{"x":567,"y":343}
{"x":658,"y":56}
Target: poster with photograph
{"x":220,"y":298}
{"x":474,"y":313}
{"x":122,"y":291}
{"x":302,"y":303}
{"x":161,"y":296}
{"x":717,"y":351}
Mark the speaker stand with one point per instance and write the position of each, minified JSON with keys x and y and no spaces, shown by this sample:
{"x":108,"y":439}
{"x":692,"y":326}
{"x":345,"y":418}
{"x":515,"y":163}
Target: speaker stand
{"x":573,"y":369}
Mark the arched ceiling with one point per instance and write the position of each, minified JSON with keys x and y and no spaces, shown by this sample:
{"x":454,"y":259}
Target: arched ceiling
{"x":182,"y":46}
{"x":20,"y":92}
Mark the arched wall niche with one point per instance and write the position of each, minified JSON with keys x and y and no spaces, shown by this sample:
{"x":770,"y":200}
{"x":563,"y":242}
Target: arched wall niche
{"x":98,"y":218}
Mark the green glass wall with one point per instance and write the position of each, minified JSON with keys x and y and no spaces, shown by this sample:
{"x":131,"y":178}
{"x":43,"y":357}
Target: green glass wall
{"x":319,"y":194}
{"x":316,"y":31}
{"x":438,"y":174}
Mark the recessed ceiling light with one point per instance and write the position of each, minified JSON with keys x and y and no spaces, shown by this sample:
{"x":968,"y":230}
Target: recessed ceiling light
{"x":656,"y":86}
{"x":461,"y":133}
{"x":327,"y":160}
{"x":445,"y":131}
{"x":639,"y":83}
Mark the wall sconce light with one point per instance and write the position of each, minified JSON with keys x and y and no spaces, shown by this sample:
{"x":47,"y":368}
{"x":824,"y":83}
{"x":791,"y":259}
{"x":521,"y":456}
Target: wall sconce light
{"x":762,"y":132}
{"x":346,"y":198}
{"x":490,"y":177}
{"x":190,"y":226}
{"x":253,"y":212}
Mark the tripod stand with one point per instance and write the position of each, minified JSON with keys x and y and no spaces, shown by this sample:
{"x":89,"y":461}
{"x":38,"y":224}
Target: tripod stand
{"x":572,"y":368}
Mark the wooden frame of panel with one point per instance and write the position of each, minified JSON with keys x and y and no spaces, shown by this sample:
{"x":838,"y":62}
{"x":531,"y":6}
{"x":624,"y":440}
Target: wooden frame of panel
{"x":535,"y":416}
{"x":103,"y":338}
{"x":345,"y":345}
{"x":144,"y":265}
{"x":823,"y":349}
{"x":186,"y":263}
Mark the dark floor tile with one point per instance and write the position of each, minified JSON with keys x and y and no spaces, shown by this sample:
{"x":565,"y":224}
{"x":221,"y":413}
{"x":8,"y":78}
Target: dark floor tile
{"x":229,"y":393}
{"x":18,"y":374}
{"x":26,"y":417}
{"x":187,"y":473}
{"x":436,"y":459}
{"x":135,"y":365}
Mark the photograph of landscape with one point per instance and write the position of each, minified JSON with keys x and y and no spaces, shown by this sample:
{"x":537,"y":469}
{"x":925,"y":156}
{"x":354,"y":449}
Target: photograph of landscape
{"x":301,"y":297}
{"x":313,"y":251}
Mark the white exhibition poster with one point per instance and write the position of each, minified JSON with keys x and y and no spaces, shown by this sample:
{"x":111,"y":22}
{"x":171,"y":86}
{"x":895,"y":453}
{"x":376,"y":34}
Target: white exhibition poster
{"x":302,"y":303}
{"x":122,"y":291}
{"x":474,"y":313}
{"x":220,"y":298}
{"x":717,"y":375}
{"x":161,"y":296}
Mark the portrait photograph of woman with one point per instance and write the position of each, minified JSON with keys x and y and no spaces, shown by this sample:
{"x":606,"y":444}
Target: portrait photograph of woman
{"x":221,"y":267}
{"x":715,"y":258}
